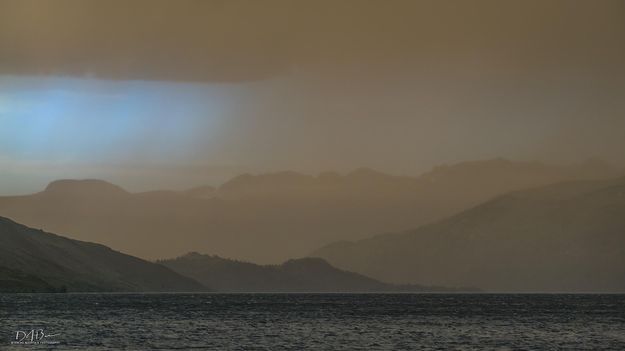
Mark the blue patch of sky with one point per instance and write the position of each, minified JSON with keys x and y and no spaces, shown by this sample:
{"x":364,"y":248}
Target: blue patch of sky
{"x":81,"y":119}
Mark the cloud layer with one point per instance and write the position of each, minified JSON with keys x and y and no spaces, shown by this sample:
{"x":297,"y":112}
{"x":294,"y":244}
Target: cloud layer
{"x":234,"y":40}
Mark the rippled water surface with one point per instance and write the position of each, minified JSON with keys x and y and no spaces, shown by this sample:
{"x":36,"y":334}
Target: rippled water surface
{"x":312,"y":321}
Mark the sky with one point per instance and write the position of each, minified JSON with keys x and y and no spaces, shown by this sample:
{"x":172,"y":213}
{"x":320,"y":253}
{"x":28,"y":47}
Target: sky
{"x":163,"y":94}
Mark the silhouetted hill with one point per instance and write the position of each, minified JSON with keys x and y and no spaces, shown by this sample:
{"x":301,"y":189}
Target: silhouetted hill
{"x":564,"y":237}
{"x":33,"y":260}
{"x":83,"y":188}
{"x":298,"y":275}
{"x":269,"y":218}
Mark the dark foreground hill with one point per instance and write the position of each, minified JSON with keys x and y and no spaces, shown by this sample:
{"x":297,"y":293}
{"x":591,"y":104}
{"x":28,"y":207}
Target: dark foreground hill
{"x":564,"y":237}
{"x":17,"y":281}
{"x":33,"y":260}
{"x":298,"y":275}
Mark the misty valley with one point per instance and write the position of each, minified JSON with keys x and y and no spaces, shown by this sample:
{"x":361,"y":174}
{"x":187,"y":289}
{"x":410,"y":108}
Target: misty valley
{"x":340,"y":175}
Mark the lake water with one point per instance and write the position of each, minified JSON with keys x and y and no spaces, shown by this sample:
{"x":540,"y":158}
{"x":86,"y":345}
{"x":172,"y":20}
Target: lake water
{"x":311,"y":321}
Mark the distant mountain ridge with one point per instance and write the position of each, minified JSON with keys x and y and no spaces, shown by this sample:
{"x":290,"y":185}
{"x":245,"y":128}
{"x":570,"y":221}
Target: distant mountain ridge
{"x":85,"y":187}
{"x":568,"y":237}
{"x":269,"y":218}
{"x":33,"y":260}
{"x":296,"y":275}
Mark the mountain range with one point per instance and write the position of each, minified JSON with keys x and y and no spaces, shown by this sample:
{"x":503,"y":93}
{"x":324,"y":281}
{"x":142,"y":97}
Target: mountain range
{"x":568,"y":236}
{"x":269,"y":218}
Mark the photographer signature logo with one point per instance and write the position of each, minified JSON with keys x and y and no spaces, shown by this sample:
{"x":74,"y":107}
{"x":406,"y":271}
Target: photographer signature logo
{"x":34,"y":337}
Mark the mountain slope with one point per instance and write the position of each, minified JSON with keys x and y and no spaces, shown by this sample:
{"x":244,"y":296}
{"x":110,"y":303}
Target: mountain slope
{"x":299,"y":275}
{"x":13,"y":281}
{"x":34,"y":260}
{"x":564,"y":237}
{"x":269,"y":218}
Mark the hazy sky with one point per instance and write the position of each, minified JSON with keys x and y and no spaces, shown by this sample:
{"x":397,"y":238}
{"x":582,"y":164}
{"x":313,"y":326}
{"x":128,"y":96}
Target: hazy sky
{"x":153,"y":94}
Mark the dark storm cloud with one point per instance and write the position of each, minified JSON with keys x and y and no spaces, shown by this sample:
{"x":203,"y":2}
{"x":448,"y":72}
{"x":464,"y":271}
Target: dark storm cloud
{"x":237,"y":40}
